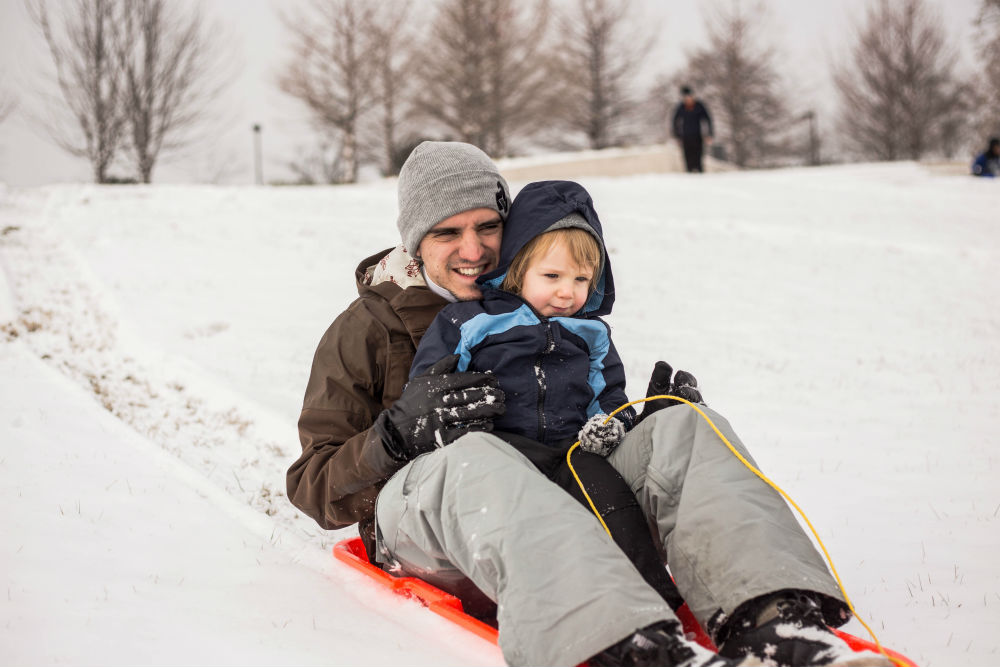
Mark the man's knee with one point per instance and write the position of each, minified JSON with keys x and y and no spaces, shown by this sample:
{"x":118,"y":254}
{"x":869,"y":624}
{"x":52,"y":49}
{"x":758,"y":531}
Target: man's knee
{"x":675,"y":433}
{"x":685,"y":416}
{"x":665,"y":426}
{"x":666,"y":436}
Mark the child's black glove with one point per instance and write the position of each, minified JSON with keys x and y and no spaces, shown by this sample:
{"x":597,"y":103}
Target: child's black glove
{"x":684,"y":385}
{"x":438,"y":407}
{"x":600,"y":438}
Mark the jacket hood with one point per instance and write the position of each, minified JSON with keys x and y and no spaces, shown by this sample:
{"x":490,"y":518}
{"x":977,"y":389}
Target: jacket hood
{"x":404,"y":292}
{"x":535,"y":209}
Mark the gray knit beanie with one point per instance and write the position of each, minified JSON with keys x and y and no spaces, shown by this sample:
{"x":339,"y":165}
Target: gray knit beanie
{"x":577,"y":221}
{"x":441,"y":179}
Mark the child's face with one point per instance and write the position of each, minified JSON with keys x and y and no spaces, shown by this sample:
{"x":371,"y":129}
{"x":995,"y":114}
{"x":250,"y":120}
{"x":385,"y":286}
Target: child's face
{"x":555,"y":285}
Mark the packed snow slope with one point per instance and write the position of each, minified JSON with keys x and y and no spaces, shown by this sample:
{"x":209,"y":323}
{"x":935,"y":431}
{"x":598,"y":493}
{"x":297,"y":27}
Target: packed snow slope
{"x":155,"y":343}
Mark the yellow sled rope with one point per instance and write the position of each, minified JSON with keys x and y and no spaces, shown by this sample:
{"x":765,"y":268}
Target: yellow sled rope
{"x":759,"y":474}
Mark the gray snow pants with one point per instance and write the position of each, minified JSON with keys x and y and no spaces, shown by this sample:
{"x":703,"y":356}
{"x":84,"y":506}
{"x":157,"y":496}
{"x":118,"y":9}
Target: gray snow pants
{"x":478,"y":510}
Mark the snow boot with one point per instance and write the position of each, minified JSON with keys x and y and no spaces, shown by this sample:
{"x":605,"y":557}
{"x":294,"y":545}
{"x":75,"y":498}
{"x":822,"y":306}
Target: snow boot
{"x":789,"y":631}
{"x":661,"y":645}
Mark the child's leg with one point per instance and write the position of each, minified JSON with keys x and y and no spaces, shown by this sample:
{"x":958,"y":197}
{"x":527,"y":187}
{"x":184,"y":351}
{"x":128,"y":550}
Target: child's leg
{"x":622,"y":514}
{"x":729,"y":537}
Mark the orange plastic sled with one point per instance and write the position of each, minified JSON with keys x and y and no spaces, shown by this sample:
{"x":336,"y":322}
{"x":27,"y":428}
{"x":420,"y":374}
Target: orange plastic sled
{"x":352,"y":552}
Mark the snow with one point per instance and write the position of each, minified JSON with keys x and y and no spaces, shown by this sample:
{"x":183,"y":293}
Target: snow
{"x":155,"y":343}
{"x":514,"y":163}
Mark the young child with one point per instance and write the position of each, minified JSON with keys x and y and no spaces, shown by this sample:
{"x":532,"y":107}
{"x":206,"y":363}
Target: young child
{"x":537,"y":328}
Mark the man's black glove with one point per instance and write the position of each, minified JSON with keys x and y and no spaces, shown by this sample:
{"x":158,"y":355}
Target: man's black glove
{"x":683,"y":385}
{"x":438,"y":407}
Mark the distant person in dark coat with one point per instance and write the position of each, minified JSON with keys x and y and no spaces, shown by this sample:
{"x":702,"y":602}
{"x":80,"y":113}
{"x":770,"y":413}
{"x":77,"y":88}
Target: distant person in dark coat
{"x":687,"y":127}
{"x":988,"y":163}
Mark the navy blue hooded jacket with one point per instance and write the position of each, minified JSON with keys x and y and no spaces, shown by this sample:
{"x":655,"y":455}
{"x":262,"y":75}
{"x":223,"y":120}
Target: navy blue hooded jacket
{"x":687,"y":122}
{"x":556,"y":372}
{"x":988,"y":163}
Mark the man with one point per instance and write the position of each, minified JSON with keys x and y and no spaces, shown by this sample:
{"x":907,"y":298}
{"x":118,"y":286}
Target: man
{"x":987,"y":164}
{"x":363,"y":360}
{"x":687,"y":127}
{"x":436,"y":495}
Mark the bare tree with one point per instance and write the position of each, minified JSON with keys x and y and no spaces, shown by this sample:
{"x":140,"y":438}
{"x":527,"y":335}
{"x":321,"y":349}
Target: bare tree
{"x":394,"y":70}
{"x":899,"y":89}
{"x":989,"y":12}
{"x":320,"y":162}
{"x":517,"y":67}
{"x":988,"y":79}
{"x":656,"y":106}
{"x":332,"y":73}
{"x":80,"y":41}
{"x":601,"y":48}
{"x":7,"y":104}
{"x":170,"y":63}
{"x":456,"y":90}
{"x":736,"y":73}
{"x":482,"y":71}
{"x":953,"y":129}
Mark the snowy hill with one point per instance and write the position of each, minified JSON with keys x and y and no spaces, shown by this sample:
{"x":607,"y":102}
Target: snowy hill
{"x":156,"y":343}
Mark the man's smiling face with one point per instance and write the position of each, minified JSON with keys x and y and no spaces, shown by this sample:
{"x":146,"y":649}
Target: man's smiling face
{"x":459,"y":249}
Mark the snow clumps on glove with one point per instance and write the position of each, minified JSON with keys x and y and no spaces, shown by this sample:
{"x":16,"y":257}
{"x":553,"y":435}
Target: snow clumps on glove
{"x":598,"y":437}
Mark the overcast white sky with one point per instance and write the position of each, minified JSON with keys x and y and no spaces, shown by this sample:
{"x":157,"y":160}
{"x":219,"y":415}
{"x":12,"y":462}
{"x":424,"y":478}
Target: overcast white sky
{"x":809,"y":32}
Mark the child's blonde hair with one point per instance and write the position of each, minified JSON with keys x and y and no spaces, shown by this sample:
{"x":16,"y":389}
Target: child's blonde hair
{"x":582,"y":246}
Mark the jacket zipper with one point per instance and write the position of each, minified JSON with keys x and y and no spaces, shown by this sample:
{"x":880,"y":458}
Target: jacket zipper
{"x":550,"y":344}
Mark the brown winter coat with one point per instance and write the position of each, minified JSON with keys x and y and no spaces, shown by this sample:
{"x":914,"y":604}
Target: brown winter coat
{"x":360,"y":367}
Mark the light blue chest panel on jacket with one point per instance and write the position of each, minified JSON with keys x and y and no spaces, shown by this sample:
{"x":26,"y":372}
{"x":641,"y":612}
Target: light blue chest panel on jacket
{"x":593,"y":332}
